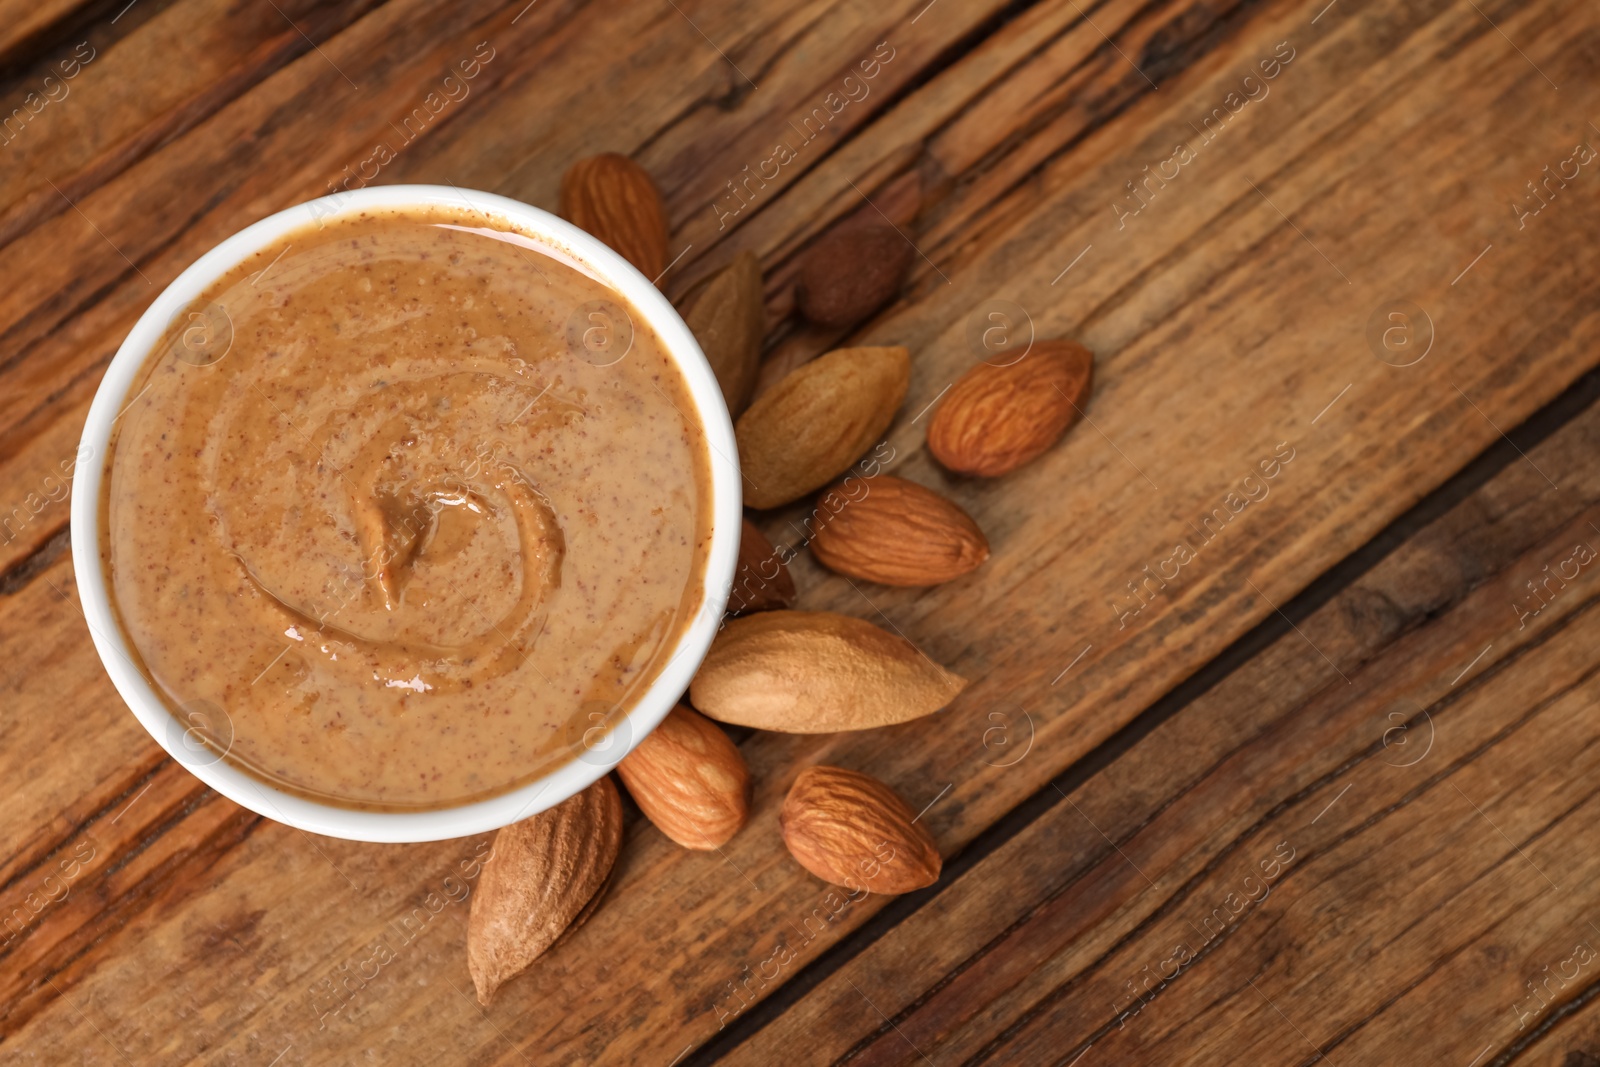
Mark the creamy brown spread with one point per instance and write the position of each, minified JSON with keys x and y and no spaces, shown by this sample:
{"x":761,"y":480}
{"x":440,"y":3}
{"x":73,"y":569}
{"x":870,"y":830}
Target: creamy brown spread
{"x":415,"y":501}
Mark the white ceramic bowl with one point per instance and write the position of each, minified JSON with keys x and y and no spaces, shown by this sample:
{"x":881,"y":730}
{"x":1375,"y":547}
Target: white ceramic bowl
{"x":639,"y":294}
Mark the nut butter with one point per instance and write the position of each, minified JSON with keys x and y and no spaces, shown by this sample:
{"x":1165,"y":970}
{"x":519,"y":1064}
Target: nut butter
{"x":408,"y":509}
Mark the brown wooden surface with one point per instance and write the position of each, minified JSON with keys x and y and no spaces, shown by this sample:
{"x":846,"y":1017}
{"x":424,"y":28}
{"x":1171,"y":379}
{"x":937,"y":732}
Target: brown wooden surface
{"x":1229,"y":316}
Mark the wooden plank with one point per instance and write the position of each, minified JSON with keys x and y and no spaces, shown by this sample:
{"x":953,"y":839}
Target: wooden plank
{"x":288,"y":141}
{"x":21,"y":20}
{"x":55,"y":374}
{"x":108,"y":105}
{"x":1393,"y":928}
{"x":1568,"y":1034}
{"x":1222,"y":283}
{"x":1416,"y":907}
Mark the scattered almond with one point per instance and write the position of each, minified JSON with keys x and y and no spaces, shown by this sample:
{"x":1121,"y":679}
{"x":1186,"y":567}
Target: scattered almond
{"x":852,"y":830}
{"x":995,"y":418}
{"x":614,"y":198}
{"x":814,"y":672}
{"x":850,"y":273}
{"x":761,"y":582}
{"x":690,"y":780}
{"x":816,"y":422}
{"x":728,"y":317}
{"x":889,"y":530}
{"x":546,"y":873}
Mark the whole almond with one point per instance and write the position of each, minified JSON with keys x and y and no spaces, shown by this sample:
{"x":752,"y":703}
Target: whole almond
{"x":811,"y":426}
{"x":814,"y":672}
{"x":761,"y":582}
{"x":728,"y":317}
{"x":546,"y":874}
{"x":690,"y":780}
{"x":996,"y":418}
{"x":614,"y":198}
{"x":852,"y":830}
{"x":889,"y":530}
{"x":850,"y":273}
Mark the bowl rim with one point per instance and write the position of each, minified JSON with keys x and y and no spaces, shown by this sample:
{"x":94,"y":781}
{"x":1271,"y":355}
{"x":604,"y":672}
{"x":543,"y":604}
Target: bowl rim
{"x":640,"y":295}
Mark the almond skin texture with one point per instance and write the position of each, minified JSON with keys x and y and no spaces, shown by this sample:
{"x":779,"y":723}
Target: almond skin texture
{"x":614,"y":198}
{"x":761,"y":581}
{"x":851,"y":273}
{"x":547,"y":873}
{"x":811,"y":426}
{"x":689,"y":779}
{"x":895,"y":532}
{"x":995,"y":419}
{"x":814,"y":672}
{"x":852,"y":830}
{"x":729,"y":317}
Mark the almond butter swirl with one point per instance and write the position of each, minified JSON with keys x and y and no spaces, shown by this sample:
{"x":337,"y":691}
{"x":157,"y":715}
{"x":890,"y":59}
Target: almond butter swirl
{"x":411,"y":505}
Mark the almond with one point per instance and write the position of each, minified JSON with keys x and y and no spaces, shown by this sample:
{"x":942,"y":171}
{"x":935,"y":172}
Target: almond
{"x":889,"y":530}
{"x":816,"y":422}
{"x":995,"y":419}
{"x":851,"y":273}
{"x":761,"y":581}
{"x":614,"y":198}
{"x":814,"y":672}
{"x":728,"y":317}
{"x":852,"y":830}
{"x":689,"y":779}
{"x":546,"y":874}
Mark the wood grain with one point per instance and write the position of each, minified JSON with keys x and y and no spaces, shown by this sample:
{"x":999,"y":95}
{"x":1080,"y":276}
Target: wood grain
{"x":1230,"y":319}
{"x":1449,"y":704}
{"x":21,"y":20}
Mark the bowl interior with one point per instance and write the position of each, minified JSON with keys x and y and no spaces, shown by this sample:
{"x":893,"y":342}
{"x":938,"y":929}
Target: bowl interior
{"x":180,"y":738}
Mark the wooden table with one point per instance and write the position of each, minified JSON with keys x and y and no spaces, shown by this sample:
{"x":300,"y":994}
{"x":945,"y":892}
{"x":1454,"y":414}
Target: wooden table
{"x":1329,"y":792}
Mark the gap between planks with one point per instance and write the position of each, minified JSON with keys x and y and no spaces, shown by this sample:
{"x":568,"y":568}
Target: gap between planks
{"x":1500,"y":454}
